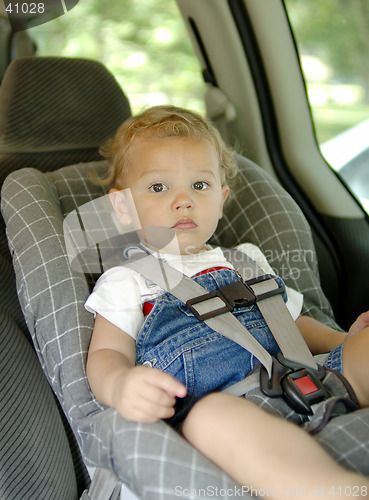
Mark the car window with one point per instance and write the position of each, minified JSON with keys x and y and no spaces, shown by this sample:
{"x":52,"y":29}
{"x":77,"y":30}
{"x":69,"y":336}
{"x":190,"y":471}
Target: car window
{"x":144,"y":43}
{"x":333,"y":44}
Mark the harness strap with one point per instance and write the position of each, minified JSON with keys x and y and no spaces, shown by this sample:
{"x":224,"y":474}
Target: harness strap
{"x":104,"y":486}
{"x":203,"y":303}
{"x":185,"y":289}
{"x":274,"y":311}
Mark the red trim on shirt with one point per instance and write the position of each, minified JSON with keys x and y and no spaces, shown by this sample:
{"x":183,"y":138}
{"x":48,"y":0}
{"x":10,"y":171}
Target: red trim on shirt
{"x":205,"y":271}
{"x":146,"y":308}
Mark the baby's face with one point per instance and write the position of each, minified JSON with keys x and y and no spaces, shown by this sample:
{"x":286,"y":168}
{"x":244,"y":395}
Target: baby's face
{"x":175,"y":183}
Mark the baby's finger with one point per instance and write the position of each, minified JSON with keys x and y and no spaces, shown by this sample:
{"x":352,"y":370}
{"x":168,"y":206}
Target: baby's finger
{"x":153,"y":411}
{"x":166,"y":382}
{"x":152,"y":394}
{"x":148,"y":404}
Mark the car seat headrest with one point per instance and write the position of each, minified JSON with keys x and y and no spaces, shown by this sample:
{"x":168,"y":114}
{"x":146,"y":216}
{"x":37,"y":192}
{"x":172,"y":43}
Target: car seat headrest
{"x":50,"y":104}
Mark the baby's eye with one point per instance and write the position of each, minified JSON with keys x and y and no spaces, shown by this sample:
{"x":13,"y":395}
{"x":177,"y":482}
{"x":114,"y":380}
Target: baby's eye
{"x":158,"y":187}
{"x":200,"y":185}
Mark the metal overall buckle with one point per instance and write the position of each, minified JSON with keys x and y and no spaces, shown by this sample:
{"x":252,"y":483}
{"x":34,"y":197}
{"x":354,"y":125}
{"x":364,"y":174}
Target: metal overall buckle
{"x":299,"y":386}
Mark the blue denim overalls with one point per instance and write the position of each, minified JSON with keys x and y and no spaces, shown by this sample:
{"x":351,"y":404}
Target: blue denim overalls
{"x":173,"y":340}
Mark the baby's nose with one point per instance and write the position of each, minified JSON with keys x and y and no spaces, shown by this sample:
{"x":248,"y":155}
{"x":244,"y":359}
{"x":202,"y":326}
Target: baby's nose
{"x":183,"y":201}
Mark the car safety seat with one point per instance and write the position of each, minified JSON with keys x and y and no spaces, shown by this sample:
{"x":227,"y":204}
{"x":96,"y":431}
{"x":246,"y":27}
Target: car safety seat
{"x":153,"y":460}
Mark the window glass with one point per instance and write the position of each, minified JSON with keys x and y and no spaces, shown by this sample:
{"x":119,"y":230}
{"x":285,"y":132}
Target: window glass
{"x":333,"y":42}
{"x":144,"y":43}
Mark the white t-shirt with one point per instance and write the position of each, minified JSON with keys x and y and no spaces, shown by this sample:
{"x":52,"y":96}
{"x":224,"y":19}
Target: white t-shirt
{"x":120,"y":292}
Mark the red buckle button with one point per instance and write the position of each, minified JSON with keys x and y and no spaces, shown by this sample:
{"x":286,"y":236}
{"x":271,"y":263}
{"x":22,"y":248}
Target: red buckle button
{"x":306,"y":385}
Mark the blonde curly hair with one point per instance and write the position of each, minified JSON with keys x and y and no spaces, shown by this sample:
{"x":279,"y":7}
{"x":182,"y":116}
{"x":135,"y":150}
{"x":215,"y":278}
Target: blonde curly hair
{"x":161,"y":122}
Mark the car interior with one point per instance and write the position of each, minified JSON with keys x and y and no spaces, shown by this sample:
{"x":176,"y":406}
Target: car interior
{"x":55,"y":112}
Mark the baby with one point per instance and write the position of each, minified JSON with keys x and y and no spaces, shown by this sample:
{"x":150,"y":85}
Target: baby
{"x":150,"y":359}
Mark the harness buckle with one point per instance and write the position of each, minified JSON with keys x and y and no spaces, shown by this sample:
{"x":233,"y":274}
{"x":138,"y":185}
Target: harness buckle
{"x":237,"y":294}
{"x":270,"y":293}
{"x":299,"y":386}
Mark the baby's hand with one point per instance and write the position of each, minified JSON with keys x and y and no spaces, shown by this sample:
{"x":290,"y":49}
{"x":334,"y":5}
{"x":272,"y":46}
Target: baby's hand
{"x":361,"y":322}
{"x":147,"y":394}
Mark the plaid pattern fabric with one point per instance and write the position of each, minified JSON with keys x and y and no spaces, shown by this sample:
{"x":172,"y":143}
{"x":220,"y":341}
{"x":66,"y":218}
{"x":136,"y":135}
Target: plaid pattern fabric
{"x":151,"y":459}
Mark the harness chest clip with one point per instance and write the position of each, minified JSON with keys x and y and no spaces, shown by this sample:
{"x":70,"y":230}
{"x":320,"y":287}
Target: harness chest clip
{"x":237,"y":294}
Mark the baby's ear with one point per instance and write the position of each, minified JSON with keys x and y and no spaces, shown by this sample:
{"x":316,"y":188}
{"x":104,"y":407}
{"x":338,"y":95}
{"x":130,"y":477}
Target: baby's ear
{"x":119,"y":202}
{"x":225,"y":193}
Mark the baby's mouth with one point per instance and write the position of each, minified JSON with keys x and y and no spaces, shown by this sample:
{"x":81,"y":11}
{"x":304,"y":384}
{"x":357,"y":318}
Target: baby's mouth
{"x":185,"y":223}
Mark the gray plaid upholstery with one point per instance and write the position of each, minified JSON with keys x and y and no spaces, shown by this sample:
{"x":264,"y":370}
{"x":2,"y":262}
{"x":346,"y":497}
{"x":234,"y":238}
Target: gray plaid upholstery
{"x":151,"y":459}
{"x":347,"y":439}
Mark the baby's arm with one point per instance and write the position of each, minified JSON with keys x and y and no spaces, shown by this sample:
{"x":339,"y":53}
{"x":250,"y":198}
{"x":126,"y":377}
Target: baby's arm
{"x":320,"y":338}
{"x":138,"y":393}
